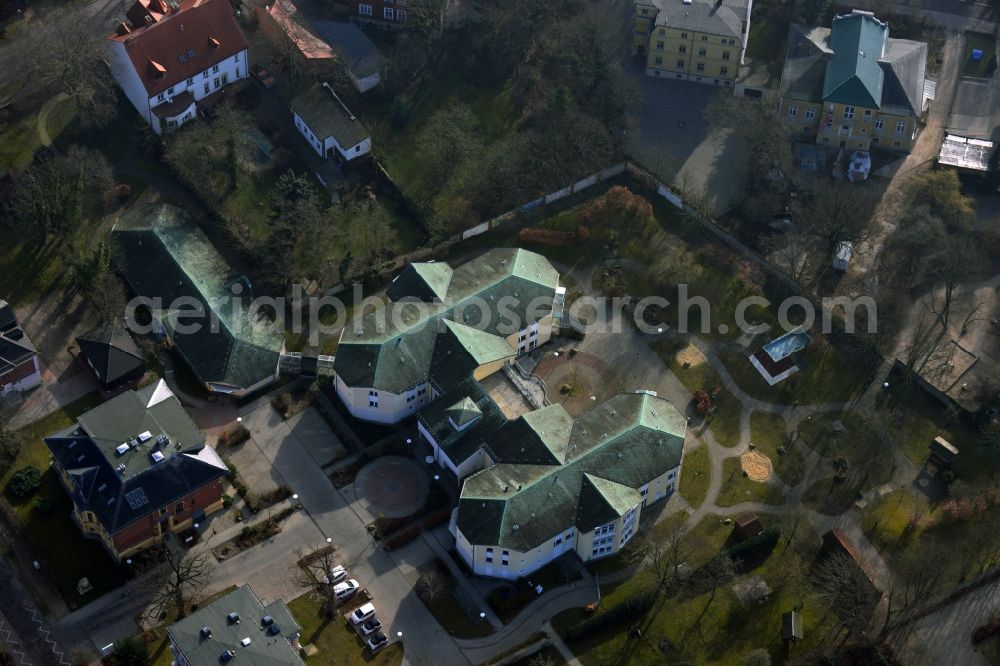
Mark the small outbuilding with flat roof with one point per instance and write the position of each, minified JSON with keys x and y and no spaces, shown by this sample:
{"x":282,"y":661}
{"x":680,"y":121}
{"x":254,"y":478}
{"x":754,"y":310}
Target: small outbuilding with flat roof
{"x":237,"y":628}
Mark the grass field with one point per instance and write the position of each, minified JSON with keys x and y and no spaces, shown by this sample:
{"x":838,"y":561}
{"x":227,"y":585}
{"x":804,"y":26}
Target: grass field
{"x":824,"y":375}
{"x":696,"y":476}
{"x":45,"y":519}
{"x":768,"y":432}
{"x":987,"y":65}
{"x":705,"y":628}
{"x":736,"y":488}
{"x":725,"y":422}
{"x":335,"y":640}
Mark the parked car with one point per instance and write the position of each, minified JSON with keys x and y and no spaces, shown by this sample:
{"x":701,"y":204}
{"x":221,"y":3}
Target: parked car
{"x":337,"y":574}
{"x":345,"y":589}
{"x":377,"y":642}
{"x":371,"y":626}
{"x":363,"y":613}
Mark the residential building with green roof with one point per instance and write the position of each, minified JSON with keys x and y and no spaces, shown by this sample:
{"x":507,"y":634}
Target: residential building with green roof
{"x":556,"y":484}
{"x":239,"y":629}
{"x":137,"y":467}
{"x":442,"y":331}
{"x":204,"y":306}
{"x":852,"y":86}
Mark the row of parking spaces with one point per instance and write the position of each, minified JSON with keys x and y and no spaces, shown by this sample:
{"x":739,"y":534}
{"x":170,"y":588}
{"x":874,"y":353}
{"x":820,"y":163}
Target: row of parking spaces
{"x":361,"y":614}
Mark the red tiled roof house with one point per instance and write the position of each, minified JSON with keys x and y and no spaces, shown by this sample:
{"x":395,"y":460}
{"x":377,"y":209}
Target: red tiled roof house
{"x":169,"y":57}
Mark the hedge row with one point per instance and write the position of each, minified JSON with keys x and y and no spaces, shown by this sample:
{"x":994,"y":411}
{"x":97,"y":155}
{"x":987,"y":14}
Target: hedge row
{"x":627,"y":611}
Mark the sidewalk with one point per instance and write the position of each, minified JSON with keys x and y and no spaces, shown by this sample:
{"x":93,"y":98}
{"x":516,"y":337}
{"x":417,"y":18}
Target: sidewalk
{"x":460,"y":578}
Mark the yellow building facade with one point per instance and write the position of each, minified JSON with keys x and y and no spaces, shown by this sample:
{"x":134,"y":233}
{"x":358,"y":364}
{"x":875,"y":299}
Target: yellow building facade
{"x":851,"y":86}
{"x":701,"y":41}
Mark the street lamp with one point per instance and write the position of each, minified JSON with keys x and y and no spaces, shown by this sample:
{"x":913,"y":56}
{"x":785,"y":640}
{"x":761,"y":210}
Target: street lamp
{"x":482,"y":615}
{"x":295,"y":497}
{"x":329,"y":540}
{"x":409,"y":440}
{"x":437,"y":477}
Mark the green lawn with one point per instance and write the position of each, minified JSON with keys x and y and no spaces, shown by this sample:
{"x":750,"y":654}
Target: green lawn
{"x":736,"y":488}
{"x":335,"y":640}
{"x":886,"y":520}
{"x":20,"y":139}
{"x":987,"y":65}
{"x":703,"y":629}
{"x":696,"y":476}
{"x":920,"y":418}
{"x":725,"y":422}
{"x":46,"y":522}
{"x":769,"y":431}
{"x":825,"y":375}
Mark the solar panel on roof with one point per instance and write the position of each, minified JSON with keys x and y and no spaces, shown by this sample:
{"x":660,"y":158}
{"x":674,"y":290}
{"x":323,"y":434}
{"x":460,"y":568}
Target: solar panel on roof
{"x":136,"y":498}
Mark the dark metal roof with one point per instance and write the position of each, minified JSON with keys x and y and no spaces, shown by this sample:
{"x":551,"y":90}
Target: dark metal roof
{"x":352,"y":46}
{"x":112,"y":353}
{"x":326,"y":117}
{"x":121,"y":487}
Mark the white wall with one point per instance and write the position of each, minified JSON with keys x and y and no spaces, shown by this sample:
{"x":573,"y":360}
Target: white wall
{"x":366,"y":83}
{"x":392,"y":407}
{"x":351,"y":152}
{"x":25,"y":383}
{"x":232,"y":69}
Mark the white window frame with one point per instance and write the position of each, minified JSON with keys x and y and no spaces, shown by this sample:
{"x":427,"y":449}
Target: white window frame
{"x":364,"y":10}
{"x":810,"y":114}
{"x":389,"y":13}
{"x":793,"y":111}
{"x":900,"y":127}
{"x":848,"y":113}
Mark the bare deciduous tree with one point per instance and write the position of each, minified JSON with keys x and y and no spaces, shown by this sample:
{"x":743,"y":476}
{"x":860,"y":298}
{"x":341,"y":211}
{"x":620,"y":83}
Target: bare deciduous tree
{"x":845,"y":588}
{"x":178,"y":581}
{"x":664,"y":555}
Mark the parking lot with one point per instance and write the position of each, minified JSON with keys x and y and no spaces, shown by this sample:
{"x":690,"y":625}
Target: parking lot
{"x":673,"y":138}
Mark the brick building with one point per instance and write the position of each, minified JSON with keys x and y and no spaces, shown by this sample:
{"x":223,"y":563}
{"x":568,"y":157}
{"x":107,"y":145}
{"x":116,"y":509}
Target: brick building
{"x":135,"y":468}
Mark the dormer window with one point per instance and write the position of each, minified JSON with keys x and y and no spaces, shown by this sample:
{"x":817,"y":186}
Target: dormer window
{"x":156,"y":70}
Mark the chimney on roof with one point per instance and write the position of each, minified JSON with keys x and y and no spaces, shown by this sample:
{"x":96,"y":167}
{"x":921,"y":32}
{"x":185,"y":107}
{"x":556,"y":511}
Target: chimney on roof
{"x":213,"y":43}
{"x":122,"y":29}
{"x":156,"y":70}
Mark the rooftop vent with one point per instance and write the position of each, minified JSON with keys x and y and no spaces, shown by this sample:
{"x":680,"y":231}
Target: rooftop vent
{"x":121,"y":449}
{"x":234,"y":618}
{"x":245,"y":642}
{"x":274,"y":630}
{"x":157,"y":456}
{"x":206,"y":632}
{"x":145,"y":436}
{"x":227,"y":656}
{"x":267,"y":621}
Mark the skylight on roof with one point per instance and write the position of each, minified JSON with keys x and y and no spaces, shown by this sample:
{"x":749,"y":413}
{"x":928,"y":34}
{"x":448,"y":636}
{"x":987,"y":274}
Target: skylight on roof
{"x":190,"y":54}
{"x":180,"y":58}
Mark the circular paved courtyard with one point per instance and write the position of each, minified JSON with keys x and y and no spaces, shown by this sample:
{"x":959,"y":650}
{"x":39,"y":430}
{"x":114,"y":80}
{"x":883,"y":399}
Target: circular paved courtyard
{"x":573,"y":380}
{"x":392,"y":485}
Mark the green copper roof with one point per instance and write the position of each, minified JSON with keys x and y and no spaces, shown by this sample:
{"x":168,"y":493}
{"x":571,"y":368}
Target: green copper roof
{"x":484,"y":347}
{"x":625,"y":443}
{"x":437,"y":275}
{"x":165,"y":257}
{"x":464,"y":411}
{"x":853,"y":75}
{"x":619,"y":497}
{"x":488,"y":298}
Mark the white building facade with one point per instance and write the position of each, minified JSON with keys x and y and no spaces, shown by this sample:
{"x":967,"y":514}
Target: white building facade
{"x":172,"y":61}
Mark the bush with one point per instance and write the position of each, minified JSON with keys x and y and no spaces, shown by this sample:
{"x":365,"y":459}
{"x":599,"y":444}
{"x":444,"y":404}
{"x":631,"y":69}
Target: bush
{"x":234,"y":437}
{"x":402,"y":538}
{"x":130,"y":652}
{"x":763,"y":542}
{"x":437,"y":518}
{"x":24,"y":482}
{"x":627,"y":611}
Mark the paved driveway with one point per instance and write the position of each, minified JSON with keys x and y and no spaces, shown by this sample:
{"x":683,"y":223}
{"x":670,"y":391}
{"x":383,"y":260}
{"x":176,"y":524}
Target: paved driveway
{"x":389,"y":578}
{"x":944,"y":637}
{"x":673,"y":138}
